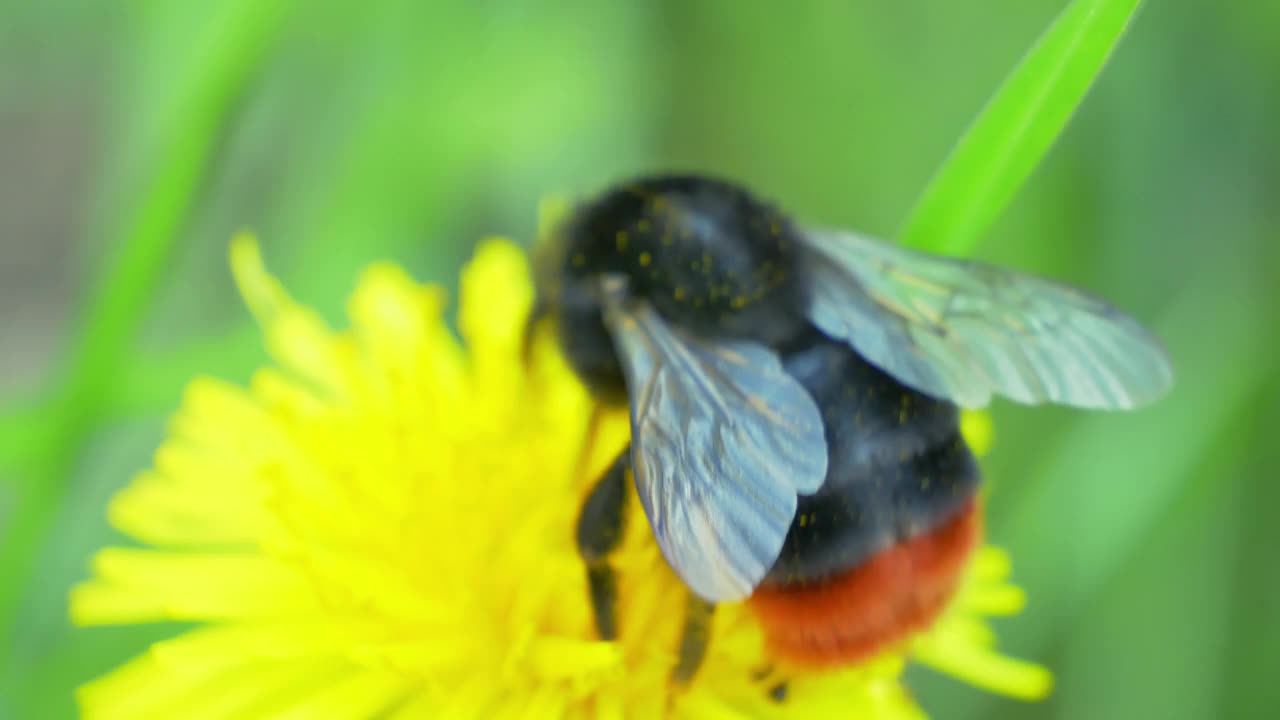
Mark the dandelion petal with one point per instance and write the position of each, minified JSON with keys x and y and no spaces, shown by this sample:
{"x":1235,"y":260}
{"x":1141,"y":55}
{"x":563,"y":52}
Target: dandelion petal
{"x":381,"y":525}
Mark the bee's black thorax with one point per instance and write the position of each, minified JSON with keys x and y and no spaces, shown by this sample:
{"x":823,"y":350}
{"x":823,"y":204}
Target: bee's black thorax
{"x":706,"y":255}
{"x":897,"y":464}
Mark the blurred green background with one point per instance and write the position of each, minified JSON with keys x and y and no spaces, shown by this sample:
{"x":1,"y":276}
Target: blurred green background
{"x":135,"y":138}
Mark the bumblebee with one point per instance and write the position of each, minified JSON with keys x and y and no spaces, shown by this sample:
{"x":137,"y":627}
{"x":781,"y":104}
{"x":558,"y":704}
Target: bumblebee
{"x":794,"y":395}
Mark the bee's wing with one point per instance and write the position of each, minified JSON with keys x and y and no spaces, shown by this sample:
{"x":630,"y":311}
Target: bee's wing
{"x":962,"y":331}
{"x":722,"y":441}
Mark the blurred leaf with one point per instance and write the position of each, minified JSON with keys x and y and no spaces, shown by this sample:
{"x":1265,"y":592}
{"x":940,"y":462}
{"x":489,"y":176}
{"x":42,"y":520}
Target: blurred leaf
{"x":1252,"y":639}
{"x":152,"y":383}
{"x":231,"y":47}
{"x":48,"y":655}
{"x":1107,"y":511}
{"x":113,"y":312}
{"x":1017,"y":127}
{"x":26,"y":433}
{"x":379,"y":172}
{"x":1172,"y":587}
{"x":424,"y":132}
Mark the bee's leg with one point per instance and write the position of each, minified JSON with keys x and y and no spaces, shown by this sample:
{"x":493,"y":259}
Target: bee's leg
{"x":588,"y":449}
{"x":694,"y":639}
{"x":600,"y":529}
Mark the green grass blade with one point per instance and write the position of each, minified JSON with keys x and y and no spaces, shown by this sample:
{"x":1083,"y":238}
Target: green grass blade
{"x":121,"y":298}
{"x":1017,"y":127}
{"x":122,"y":294}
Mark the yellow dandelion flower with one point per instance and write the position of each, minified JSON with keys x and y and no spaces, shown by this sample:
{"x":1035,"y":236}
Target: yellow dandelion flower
{"x":381,"y":525}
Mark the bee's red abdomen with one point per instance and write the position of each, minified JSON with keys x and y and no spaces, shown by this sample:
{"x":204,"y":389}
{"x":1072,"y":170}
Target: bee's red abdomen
{"x":854,"y":614}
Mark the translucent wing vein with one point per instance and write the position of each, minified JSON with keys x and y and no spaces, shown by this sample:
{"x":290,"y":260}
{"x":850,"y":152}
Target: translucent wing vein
{"x":722,"y":441}
{"x":964,"y":331}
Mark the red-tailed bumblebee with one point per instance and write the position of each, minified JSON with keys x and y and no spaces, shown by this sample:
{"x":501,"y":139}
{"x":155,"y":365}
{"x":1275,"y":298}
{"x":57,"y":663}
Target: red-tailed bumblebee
{"x":794,"y":398}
